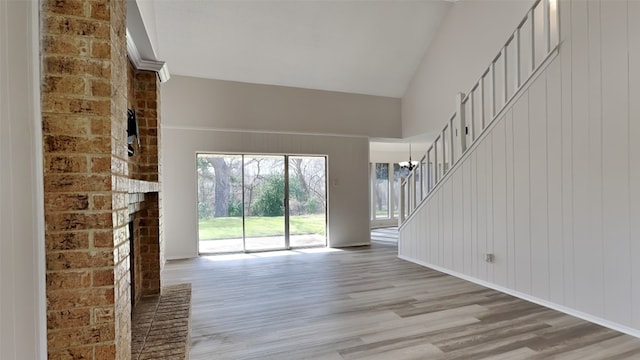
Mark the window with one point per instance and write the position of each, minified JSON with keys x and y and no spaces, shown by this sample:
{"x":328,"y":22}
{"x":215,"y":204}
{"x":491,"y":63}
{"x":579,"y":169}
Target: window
{"x":385,"y":192}
{"x":382,"y":191}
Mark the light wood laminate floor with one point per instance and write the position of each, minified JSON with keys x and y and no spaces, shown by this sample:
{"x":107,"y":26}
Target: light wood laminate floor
{"x":365,"y":303}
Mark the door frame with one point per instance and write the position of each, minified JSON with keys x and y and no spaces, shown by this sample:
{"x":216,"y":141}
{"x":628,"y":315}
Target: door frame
{"x":287,"y":234}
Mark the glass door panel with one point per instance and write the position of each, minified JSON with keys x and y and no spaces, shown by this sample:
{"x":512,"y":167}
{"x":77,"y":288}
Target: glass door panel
{"x":307,"y":201}
{"x":260,"y":202}
{"x":264,"y":202}
{"x":219,"y":203}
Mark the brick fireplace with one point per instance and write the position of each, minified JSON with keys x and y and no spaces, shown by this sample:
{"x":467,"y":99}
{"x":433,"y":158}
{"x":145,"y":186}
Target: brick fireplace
{"x":92,"y":188}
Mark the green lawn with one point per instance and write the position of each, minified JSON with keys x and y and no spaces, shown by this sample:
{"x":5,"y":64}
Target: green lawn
{"x":231,"y":227}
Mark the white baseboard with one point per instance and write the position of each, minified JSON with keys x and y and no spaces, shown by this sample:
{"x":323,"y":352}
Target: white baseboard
{"x":567,"y":310}
{"x":349,"y":245}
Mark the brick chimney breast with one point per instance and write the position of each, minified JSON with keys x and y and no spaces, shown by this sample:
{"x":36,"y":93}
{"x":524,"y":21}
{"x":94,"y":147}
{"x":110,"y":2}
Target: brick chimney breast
{"x":87,"y":86}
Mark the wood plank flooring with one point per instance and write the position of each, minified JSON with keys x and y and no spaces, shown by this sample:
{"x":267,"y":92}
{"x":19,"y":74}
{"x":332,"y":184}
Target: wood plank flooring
{"x":365,"y":303}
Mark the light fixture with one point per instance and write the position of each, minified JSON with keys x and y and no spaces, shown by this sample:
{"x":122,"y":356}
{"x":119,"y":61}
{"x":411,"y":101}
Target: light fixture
{"x":409,"y":165}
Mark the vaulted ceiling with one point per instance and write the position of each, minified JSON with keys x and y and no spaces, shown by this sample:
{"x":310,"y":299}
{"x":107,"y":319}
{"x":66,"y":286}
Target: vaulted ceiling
{"x":366,"y":47}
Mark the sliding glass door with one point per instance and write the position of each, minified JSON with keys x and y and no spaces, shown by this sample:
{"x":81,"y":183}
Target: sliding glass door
{"x":260,"y":202}
{"x":264,"y":203}
{"x":307,"y":201}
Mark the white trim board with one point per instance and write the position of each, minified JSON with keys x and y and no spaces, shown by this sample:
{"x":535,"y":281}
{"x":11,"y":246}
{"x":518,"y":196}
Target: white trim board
{"x":563,"y":309}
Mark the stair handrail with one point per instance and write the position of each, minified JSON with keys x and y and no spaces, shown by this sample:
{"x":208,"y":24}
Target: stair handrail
{"x":449,"y":145}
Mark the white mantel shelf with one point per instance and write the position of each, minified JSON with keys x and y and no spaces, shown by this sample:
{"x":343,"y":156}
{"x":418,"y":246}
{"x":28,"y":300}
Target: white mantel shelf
{"x":140,"y":186}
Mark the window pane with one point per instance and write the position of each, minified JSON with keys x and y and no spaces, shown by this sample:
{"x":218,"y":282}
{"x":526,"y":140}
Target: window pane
{"x":219,"y":203}
{"x":397,"y":178}
{"x":382,"y":191}
{"x":264,"y":192}
{"x":307,"y":201}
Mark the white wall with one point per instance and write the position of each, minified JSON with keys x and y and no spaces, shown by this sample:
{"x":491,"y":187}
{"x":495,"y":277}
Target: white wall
{"x":470,"y":36}
{"x":22,"y":303}
{"x":148,"y":14}
{"x":230,"y":105}
{"x":381,"y":156}
{"x":191,"y":124}
{"x":552,"y":190}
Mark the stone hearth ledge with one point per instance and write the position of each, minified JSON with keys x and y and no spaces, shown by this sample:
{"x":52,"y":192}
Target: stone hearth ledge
{"x":162,"y":325}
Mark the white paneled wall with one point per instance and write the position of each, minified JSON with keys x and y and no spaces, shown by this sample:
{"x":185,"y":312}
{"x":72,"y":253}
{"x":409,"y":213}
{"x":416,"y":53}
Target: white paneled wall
{"x":634,"y":157}
{"x":22,"y":273}
{"x":553,"y":188}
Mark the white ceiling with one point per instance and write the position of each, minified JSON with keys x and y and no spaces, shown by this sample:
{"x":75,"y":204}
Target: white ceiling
{"x":366,"y":47}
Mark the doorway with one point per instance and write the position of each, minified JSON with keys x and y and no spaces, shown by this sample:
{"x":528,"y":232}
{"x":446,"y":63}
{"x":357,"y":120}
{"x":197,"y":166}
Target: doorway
{"x":254,"y":202}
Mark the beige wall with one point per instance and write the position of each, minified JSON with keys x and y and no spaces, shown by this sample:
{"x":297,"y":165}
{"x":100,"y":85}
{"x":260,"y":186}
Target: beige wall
{"x":22,"y":316}
{"x":388,"y":156}
{"x":348,"y":210}
{"x":470,"y":36}
{"x":204,"y":115}
{"x":228,"y":105}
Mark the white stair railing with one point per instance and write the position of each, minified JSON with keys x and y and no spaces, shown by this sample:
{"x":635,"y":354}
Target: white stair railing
{"x":526,"y":50}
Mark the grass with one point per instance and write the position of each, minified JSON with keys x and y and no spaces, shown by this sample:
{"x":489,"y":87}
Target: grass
{"x":231,"y":227}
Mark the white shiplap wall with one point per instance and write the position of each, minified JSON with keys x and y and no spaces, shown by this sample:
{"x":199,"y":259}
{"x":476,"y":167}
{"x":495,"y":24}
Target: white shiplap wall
{"x":553,"y":188}
{"x":22,"y":272}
